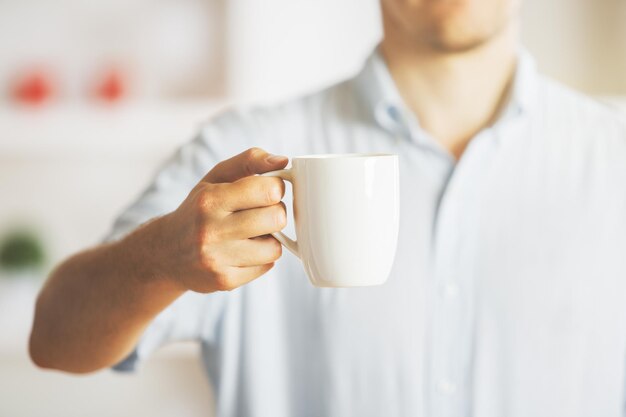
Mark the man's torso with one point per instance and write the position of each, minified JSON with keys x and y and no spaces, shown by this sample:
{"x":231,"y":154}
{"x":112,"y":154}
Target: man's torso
{"x":508,"y":292}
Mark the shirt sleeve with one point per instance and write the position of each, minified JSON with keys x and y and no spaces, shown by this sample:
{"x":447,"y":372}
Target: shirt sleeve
{"x":193,"y":316}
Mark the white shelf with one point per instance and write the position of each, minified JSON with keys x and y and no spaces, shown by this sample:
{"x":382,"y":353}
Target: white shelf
{"x":127,"y":130}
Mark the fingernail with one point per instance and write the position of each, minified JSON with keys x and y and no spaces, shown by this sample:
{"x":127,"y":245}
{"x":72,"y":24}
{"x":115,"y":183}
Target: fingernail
{"x":276,"y":159}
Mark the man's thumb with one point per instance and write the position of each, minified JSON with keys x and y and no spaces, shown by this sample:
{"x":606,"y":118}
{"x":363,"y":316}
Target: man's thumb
{"x":250,"y":162}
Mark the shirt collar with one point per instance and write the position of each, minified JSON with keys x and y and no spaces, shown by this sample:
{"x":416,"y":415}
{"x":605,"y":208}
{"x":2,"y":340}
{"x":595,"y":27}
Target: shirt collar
{"x":524,"y":89}
{"x":379,"y":93}
{"x":382,"y":99}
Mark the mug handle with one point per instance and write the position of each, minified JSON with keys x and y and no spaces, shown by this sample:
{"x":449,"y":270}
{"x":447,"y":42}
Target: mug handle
{"x":292,"y":245}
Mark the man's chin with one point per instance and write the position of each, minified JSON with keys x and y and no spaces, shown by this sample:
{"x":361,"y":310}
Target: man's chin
{"x":458,"y":46}
{"x":461,"y":38}
{"x":456,"y":43}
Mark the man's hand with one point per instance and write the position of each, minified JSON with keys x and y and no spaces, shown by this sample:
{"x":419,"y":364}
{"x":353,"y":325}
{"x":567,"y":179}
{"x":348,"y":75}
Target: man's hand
{"x":218,"y":239}
{"x":96,"y":304}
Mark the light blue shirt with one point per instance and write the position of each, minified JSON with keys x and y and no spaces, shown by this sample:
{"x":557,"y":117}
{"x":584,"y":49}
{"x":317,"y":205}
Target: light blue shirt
{"x":508,"y":292}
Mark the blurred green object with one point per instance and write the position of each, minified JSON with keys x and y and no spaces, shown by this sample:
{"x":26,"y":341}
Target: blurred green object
{"x":21,"y":250}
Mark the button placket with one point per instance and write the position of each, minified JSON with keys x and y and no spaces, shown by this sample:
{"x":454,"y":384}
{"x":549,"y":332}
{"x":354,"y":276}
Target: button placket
{"x":452,"y":309}
{"x":446,"y":313}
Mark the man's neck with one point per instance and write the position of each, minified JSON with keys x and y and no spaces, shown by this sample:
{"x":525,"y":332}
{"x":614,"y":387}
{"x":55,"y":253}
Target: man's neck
{"x":453,"y":94}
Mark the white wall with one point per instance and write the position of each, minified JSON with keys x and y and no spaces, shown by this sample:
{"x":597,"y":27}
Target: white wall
{"x":580,"y":42}
{"x":280,"y":48}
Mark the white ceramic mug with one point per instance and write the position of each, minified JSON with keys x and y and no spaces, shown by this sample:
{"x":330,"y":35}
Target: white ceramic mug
{"x":346,"y":210}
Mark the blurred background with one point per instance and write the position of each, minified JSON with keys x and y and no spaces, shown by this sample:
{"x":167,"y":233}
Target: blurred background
{"x":94,"y":94}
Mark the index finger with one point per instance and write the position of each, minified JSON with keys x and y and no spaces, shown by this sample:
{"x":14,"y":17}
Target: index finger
{"x":252,"y":192}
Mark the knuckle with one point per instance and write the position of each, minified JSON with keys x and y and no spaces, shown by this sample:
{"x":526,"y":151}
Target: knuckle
{"x":277,"y":250}
{"x":205,"y":230}
{"x":250,"y":158}
{"x":209,"y":261}
{"x":214,"y":267}
{"x":204,"y":198}
{"x":276,"y":190}
{"x":212,"y":198}
{"x":272,"y":192}
{"x":254,"y":151}
{"x":208,"y":233}
{"x":200,"y":205}
{"x":281,"y":186}
{"x":280,"y":216}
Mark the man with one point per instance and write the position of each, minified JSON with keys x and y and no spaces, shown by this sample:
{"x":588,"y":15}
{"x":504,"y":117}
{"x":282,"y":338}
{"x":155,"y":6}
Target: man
{"x":508,"y":292}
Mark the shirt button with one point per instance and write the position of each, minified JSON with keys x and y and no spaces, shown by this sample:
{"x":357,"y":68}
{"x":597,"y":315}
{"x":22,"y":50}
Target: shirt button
{"x":451,"y":290}
{"x":446,"y":387}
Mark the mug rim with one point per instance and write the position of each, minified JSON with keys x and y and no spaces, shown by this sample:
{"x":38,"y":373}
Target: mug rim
{"x":329,"y":156}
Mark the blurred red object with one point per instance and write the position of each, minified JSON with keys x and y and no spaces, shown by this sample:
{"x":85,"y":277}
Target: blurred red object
{"x":33,"y":87}
{"x":111,"y":86}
